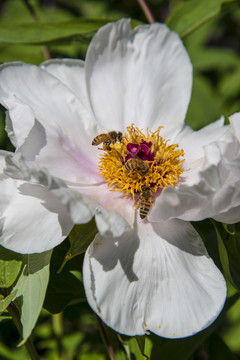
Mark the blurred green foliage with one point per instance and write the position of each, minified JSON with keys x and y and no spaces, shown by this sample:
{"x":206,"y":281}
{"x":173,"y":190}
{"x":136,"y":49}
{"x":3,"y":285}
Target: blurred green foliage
{"x":34,"y":30}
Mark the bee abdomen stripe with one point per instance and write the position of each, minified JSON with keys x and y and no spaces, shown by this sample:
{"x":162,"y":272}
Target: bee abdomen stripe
{"x":144,"y":209}
{"x":127,"y":167}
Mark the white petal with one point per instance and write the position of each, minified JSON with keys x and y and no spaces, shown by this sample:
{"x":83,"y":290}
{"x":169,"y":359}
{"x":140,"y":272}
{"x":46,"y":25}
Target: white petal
{"x":235,"y":123}
{"x":71,"y":73}
{"x":32,"y":219}
{"x":142,"y":76}
{"x":70,"y":161}
{"x":42,"y":107}
{"x":209,"y":188}
{"x":23,"y":116}
{"x":110,"y":223}
{"x":230,"y":216}
{"x":81,"y":208}
{"x":159,"y":278}
{"x":112,"y":201}
{"x":193,"y":142}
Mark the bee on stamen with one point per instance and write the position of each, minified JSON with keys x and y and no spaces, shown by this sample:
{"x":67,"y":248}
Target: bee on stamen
{"x":107,"y":139}
{"x":136,"y":164}
{"x":145,"y":201}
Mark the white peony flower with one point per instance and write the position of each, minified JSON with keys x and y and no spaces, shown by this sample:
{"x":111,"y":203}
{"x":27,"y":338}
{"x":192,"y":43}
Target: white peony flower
{"x":139,"y":274}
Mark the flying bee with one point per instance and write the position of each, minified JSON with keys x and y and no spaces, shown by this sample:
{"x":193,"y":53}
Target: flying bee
{"x":107,"y":139}
{"x":146,"y":201}
{"x":136,"y":164}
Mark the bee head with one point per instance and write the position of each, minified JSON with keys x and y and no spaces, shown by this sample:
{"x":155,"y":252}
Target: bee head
{"x":146,"y":188}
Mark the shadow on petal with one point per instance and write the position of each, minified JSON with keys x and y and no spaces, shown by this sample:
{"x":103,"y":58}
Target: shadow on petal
{"x":35,"y":141}
{"x":51,"y":203}
{"x":174,"y":231}
{"x":121,"y":249}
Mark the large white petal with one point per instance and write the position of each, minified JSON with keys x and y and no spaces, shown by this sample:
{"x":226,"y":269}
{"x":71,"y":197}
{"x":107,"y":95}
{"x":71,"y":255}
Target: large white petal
{"x":41,"y":107}
{"x":209,"y":188}
{"x":158,"y":278}
{"x":81,"y":208}
{"x":32,"y":219}
{"x":142,"y":76}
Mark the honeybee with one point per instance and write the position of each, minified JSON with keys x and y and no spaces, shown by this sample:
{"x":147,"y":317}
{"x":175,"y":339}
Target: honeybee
{"x":107,"y":139}
{"x":136,"y":164}
{"x":146,"y":201}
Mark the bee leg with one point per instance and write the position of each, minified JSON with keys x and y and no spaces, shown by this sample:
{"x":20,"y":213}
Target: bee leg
{"x":137,"y":203}
{"x":107,"y":144}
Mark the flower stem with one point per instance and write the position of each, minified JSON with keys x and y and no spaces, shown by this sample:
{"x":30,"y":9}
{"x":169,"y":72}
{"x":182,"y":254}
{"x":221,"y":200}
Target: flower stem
{"x":147,"y":11}
{"x":28,"y":344}
{"x":57,"y":326}
{"x":105,"y":339}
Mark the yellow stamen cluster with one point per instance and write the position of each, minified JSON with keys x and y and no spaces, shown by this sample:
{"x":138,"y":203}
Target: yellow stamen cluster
{"x":164,"y":170}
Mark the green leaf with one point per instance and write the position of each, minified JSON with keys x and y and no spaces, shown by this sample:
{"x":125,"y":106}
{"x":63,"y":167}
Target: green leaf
{"x":229,"y":251}
{"x":190,"y":15}
{"x":80,"y":238}
{"x":5,"y":301}
{"x":206,"y":59}
{"x":232,"y":244}
{"x":48,"y":32}
{"x":127,"y":354}
{"x":5,"y":317}
{"x":63,"y":287}
{"x":230,"y":83}
{"x":140,"y":347}
{"x":203,"y":108}
{"x":43,"y":13}
{"x":230,"y":333}
{"x":141,"y":343}
{"x":223,"y":255}
{"x":135,"y":349}
{"x":51,"y":32}
{"x":7,"y":353}
{"x":31,"y":287}
{"x":145,"y":346}
{"x":27,"y":53}
{"x":217,"y":349}
{"x":10,"y":265}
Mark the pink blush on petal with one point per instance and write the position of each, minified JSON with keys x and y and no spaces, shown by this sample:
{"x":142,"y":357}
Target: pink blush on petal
{"x":83,"y":165}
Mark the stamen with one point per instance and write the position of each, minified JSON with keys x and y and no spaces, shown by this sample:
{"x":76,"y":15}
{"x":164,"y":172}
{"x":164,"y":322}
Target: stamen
{"x":164,"y":162}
